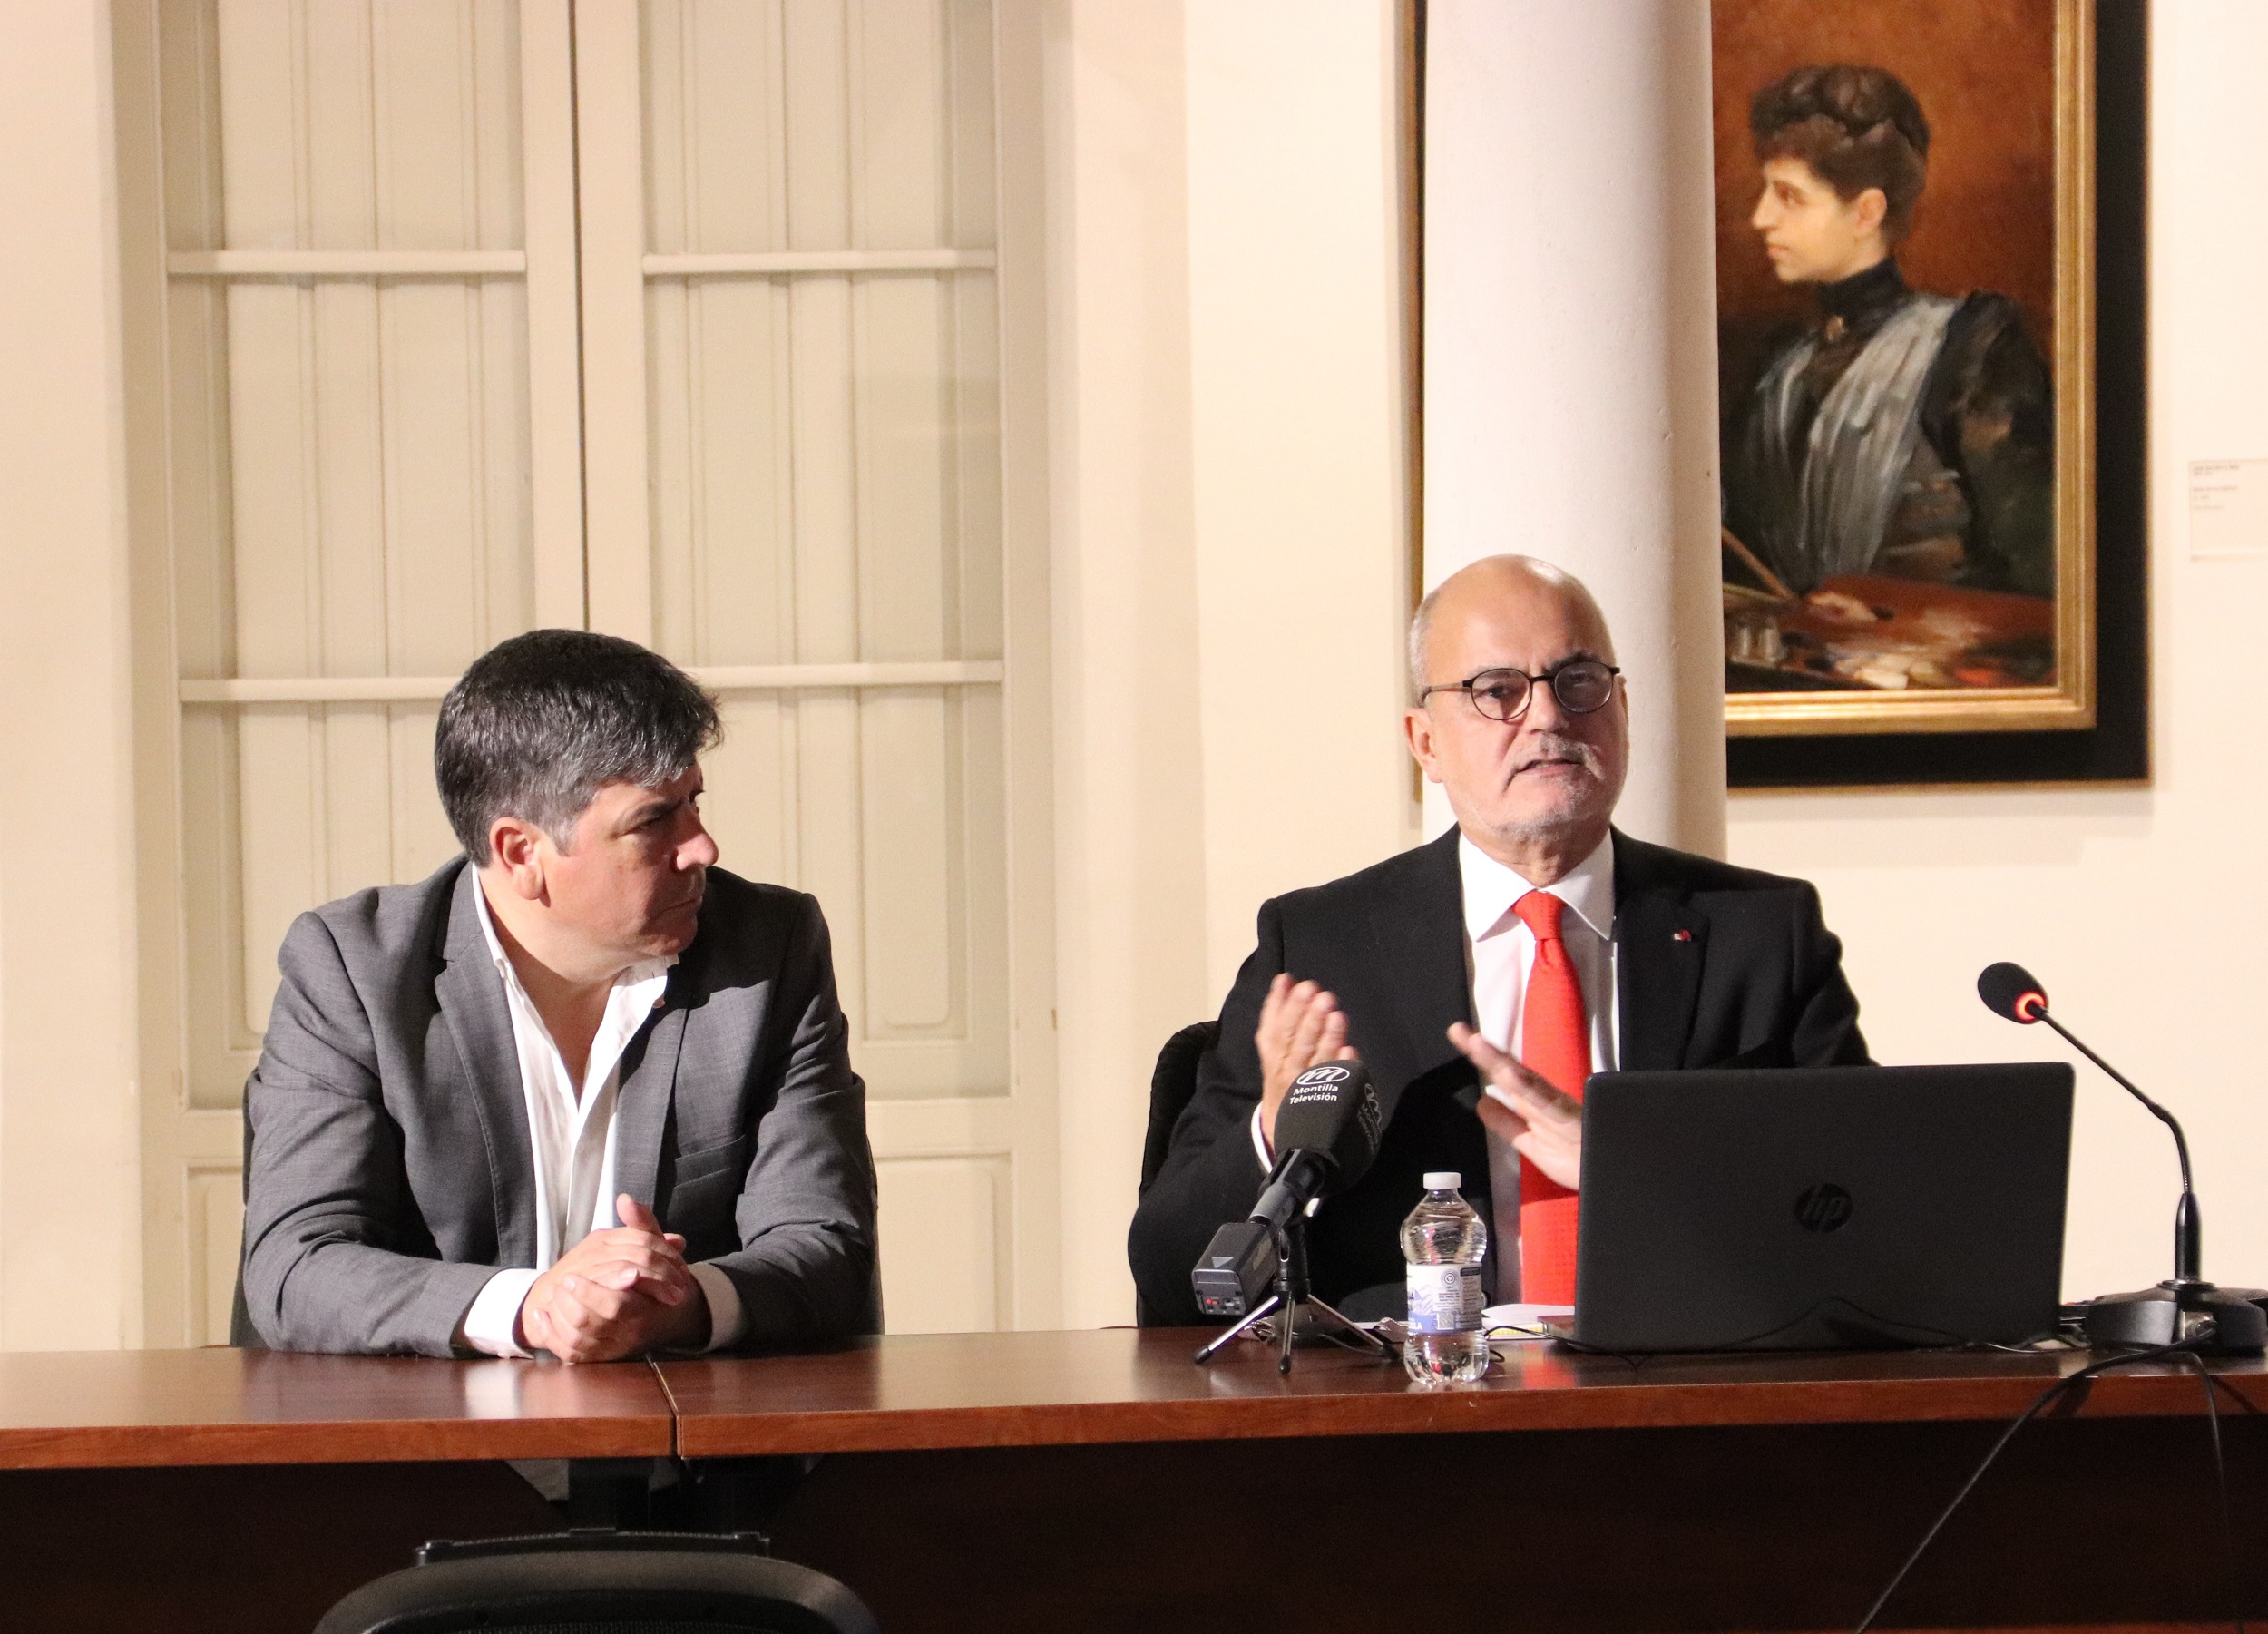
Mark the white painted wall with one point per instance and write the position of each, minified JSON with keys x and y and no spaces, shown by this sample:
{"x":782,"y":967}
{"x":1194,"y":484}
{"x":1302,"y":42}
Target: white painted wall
{"x":1129,"y":882}
{"x":2141,"y":909}
{"x":1228,"y":560}
{"x":1299,"y":429}
{"x":69,"y":1221}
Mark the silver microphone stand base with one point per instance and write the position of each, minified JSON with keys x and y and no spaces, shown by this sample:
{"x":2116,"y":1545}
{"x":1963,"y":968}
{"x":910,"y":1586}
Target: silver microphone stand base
{"x":1310,"y":1318}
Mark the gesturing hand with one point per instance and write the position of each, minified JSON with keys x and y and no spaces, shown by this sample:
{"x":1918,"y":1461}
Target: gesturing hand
{"x":617,"y":1293}
{"x":1534,"y":1118}
{"x":1300,"y":1027}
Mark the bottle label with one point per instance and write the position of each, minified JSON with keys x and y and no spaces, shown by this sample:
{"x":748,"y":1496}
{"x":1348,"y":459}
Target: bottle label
{"x":1445,"y":1299}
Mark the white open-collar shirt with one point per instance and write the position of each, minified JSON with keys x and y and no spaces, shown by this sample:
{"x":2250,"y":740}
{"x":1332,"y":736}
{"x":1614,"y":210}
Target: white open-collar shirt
{"x":572,"y":1135}
{"x":1500,"y":952}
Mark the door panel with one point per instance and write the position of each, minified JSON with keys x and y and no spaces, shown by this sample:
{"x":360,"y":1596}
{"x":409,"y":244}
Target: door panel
{"x":375,"y":246}
{"x":942,"y":1244}
{"x":360,"y":509}
{"x":824,"y":447}
{"x":215,"y":1212}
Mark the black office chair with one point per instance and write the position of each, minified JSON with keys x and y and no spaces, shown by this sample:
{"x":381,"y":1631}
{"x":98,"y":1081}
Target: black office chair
{"x":618,"y":1583}
{"x":1172,"y":1083}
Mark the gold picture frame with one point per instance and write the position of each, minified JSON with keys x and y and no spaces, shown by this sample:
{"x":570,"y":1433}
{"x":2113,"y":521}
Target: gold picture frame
{"x":1769,"y":692}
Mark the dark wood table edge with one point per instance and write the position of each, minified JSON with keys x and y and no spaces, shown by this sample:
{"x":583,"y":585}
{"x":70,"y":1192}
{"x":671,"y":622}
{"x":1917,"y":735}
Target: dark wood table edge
{"x":107,"y":1446}
{"x":2155,"y":1391}
{"x":1250,"y":1404}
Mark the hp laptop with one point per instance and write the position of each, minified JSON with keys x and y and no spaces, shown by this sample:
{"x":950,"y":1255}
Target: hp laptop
{"x":1821,"y":1208}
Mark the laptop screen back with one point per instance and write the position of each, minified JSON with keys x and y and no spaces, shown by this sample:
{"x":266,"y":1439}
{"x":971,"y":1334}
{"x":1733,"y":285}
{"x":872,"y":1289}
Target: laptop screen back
{"x":1821,"y":1208}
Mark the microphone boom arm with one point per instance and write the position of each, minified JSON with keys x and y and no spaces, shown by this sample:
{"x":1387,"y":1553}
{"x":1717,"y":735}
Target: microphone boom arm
{"x":2181,"y":1145}
{"x":2188,"y":1227}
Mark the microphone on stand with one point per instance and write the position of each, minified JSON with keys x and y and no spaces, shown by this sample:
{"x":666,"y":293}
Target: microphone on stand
{"x":2175,"y":1309}
{"x":1326,"y":1133}
{"x":1328,"y":1130}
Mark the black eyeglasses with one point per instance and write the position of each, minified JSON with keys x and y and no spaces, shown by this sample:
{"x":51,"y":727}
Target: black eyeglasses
{"x":1580,"y":685}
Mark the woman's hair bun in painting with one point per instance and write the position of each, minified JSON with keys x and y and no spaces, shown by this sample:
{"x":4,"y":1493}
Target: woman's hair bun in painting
{"x":1856,"y":127}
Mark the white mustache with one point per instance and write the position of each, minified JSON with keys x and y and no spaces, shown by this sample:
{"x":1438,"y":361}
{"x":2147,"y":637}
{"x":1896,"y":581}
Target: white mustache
{"x":1552,"y":747}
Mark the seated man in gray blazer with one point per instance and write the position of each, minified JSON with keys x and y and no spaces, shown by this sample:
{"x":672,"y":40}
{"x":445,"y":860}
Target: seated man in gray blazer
{"x":582,"y":1090}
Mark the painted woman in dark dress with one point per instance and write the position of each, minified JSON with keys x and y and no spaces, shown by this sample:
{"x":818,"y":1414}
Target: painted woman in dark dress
{"x":1897,"y":433}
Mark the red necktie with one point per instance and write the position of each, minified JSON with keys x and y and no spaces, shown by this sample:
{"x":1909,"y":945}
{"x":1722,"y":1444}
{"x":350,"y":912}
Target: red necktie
{"x":1555,"y":1043}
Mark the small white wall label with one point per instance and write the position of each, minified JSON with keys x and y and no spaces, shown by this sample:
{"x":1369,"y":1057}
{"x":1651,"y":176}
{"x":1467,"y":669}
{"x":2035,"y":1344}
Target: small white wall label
{"x":2228,"y":507}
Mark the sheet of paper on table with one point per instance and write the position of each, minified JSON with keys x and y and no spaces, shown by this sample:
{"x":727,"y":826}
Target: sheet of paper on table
{"x":1520,"y":1321}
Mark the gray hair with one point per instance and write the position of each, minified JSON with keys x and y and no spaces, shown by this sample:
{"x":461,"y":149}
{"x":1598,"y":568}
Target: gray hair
{"x":1421,"y":626}
{"x":542,"y":721}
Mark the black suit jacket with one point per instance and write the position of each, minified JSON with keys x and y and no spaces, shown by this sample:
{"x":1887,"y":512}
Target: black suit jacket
{"x":1755,"y":979}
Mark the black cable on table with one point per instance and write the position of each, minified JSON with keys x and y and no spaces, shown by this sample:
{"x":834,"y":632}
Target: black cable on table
{"x":2220,"y":1479}
{"x":2234,"y":1394}
{"x":2062,"y":1386}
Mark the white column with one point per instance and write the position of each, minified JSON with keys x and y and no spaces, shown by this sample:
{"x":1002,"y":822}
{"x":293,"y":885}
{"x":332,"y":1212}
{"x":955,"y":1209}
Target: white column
{"x":1570,"y":355}
{"x":1129,"y":796}
{"x":69,"y":1222}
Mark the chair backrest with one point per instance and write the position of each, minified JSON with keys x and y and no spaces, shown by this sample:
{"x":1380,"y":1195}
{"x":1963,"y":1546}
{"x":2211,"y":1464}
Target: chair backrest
{"x":626,"y":1582}
{"x":1171,"y":1086}
{"x":1173,"y":1083}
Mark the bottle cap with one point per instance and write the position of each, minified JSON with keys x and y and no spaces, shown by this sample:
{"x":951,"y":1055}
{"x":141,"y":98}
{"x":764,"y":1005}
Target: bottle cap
{"x":1443,"y":1179}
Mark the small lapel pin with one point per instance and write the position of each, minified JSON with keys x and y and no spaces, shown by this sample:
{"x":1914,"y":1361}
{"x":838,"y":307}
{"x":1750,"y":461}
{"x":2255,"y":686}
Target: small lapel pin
{"x":1682,"y":936}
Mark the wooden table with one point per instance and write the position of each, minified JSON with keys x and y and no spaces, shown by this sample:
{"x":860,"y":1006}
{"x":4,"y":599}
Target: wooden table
{"x":245,"y":1489}
{"x":920,"y":1392}
{"x":109,"y":1409}
{"x":1100,"y":1480}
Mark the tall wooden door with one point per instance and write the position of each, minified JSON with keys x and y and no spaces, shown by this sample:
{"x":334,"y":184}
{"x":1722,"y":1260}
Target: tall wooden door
{"x":683,"y":320}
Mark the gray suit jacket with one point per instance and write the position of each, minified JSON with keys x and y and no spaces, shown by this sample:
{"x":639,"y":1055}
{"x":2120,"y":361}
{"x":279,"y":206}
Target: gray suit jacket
{"x":390,"y":1171}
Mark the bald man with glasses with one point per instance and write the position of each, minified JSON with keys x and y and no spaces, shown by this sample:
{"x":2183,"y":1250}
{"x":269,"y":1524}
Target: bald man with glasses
{"x":1482,"y":977}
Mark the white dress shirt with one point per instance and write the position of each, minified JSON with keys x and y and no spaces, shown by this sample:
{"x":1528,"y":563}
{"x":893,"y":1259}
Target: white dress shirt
{"x":1500,"y":951}
{"x":571,"y":1134}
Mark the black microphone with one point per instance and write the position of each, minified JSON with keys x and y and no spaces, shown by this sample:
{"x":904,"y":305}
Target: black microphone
{"x":1327,"y":1132}
{"x":2167,"y":1312}
{"x":1326,"y":1136}
{"x":2011,"y":990}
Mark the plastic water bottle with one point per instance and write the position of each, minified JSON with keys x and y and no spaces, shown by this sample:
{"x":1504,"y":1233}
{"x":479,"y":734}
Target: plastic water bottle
{"x":1443,"y":1240}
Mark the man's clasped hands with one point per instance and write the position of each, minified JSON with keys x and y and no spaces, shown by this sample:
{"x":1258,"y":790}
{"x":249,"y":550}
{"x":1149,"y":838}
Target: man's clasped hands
{"x":617,"y":1293}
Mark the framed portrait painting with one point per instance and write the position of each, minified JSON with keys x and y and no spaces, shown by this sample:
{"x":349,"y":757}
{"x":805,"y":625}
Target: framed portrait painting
{"x":1921,"y":579}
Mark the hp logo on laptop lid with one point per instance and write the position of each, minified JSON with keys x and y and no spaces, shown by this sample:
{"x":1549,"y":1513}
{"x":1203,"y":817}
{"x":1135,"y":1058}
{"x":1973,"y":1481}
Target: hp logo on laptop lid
{"x":1822,"y":1208}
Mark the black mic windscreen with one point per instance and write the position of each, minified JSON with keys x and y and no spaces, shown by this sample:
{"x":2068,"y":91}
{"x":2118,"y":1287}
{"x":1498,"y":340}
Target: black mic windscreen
{"x":2004,"y":988}
{"x":1333,"y":1111}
